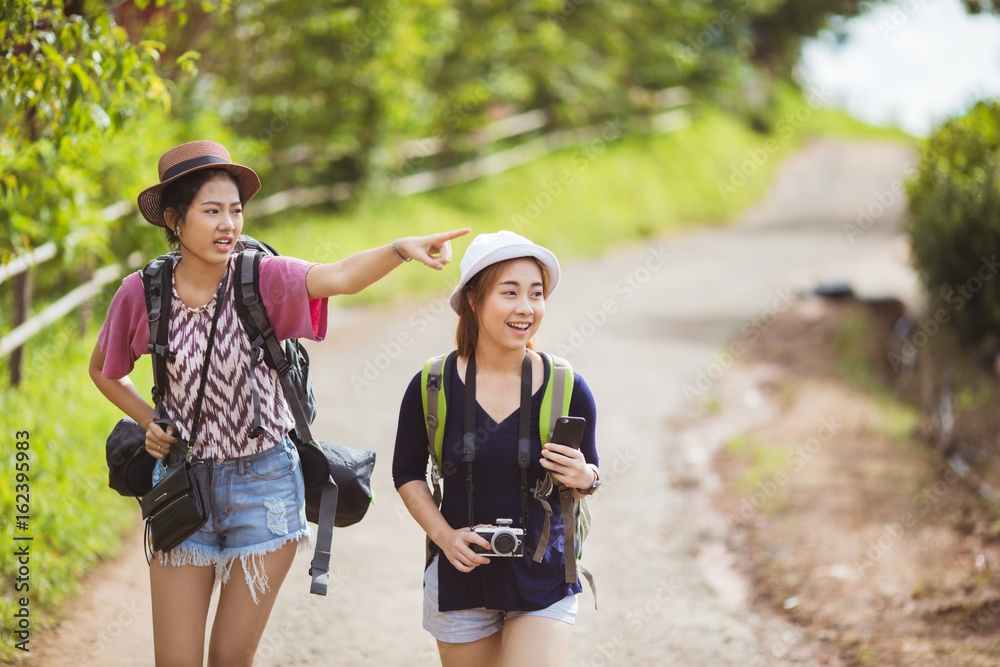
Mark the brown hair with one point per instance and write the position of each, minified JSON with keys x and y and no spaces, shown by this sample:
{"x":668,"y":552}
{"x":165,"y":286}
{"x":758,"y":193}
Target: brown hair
{"x":474,"y":292}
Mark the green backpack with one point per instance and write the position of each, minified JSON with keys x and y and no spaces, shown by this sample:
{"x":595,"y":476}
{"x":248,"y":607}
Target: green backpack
{"x":558,"y":391}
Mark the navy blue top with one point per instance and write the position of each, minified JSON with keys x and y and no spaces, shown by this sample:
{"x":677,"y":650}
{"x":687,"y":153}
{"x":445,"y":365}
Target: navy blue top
{"x":508,"y":584}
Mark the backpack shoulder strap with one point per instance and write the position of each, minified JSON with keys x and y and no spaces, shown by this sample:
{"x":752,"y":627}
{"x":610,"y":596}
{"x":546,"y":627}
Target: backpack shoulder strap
{"x":433,"y":395}
{"x":157,"y":284}
{"x":556,"y":398}
{"x":557,"y":395}
{"x":264,"y":345}
{"x":252,"y":313}
{"x":434,"y":380}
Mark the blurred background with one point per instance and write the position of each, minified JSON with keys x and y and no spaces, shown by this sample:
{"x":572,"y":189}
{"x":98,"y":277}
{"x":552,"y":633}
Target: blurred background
{"x":584,"y":124}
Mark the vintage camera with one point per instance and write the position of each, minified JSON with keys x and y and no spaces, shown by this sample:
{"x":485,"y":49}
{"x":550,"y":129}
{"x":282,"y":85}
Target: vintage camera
{"x":504,"y":540}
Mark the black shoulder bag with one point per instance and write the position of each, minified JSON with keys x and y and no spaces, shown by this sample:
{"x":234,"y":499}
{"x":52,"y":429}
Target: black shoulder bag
{"x":176,"y":507}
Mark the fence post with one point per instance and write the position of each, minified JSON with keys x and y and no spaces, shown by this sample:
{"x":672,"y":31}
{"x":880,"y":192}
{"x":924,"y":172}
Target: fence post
{"x":22,"y":304}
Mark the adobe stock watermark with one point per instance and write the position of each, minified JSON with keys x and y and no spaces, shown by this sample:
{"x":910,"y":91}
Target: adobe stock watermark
{"x":712,"y":31}
{"x":893,"y":532}
{"x":272,"y":646}
{"x":779,"y":648}
{"x":985,"y":617}
{"x":277,"y":124}
{"x":795,"y":460}
{"x":487,"y":88}
{"x":749,"y":332}
{"x":107,"y":638}
{"x":566,"y":9}
{"x":928,"y":327}
{"x":392,"y":349}
{"x":583,"y":156}
{"x":625,"y":288}
{"x":636,"y":619}
{"x":882,"y":201}
{"x":899,"y":16}
{"x":756,"y":158}
{"x":367,"y":30}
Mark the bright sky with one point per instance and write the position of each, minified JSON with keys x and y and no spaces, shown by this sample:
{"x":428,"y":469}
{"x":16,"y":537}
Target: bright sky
{"x":912,"y":63}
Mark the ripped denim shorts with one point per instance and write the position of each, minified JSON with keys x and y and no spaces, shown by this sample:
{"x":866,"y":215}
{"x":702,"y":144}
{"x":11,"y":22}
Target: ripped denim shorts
{"x":257,"y":505}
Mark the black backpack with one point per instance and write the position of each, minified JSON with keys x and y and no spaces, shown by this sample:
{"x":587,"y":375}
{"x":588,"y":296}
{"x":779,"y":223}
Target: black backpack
{"x":327,"y":469}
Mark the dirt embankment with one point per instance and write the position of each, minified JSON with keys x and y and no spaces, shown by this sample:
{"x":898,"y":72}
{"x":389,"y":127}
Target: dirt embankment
{"x":863,"y":546}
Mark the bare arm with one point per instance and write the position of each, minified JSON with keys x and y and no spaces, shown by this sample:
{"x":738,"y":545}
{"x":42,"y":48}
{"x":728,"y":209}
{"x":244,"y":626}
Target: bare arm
{"x":453,"y":542}
{"x":352,"y":274}
{"x":123,"y":394}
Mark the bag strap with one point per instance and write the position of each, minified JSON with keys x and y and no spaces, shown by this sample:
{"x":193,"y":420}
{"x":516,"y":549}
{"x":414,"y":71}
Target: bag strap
{"x":555,"y":403}
{"x":220,"y":298}
{"x":157,"y":283}
{"x":433,"y":392}
{"x":523,"y":438}
{"x":265,"y":347}
{"x":557,"y":396}
{"x":157,"y":279}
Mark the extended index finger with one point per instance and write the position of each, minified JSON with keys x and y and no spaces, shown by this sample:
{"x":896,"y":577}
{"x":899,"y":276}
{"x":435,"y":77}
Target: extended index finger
{"x":453,"y":234}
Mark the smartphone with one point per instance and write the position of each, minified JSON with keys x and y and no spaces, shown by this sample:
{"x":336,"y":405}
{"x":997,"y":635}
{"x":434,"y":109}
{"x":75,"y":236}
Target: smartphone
{"x":569,"y":431}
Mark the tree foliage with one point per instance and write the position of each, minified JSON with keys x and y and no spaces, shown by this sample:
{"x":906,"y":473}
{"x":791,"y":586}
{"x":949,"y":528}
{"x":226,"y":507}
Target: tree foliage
{"x":330,"y":91}
{"x":954,"y":202}
{"x":334,"y":88}
{"x":73,"y":83}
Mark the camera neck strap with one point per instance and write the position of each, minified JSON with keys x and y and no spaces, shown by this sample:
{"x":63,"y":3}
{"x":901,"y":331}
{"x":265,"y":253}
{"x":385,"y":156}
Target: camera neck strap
{"x":523,"y":432}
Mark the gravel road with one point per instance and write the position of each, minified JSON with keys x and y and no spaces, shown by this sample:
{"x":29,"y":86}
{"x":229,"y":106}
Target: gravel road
{"x":650,"y":327}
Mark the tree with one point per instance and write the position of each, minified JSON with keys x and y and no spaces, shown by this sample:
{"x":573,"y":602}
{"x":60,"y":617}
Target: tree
{"x":72,"y":82}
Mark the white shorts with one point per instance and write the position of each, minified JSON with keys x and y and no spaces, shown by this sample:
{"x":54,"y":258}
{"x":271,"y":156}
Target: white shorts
{"x":469,"y":625}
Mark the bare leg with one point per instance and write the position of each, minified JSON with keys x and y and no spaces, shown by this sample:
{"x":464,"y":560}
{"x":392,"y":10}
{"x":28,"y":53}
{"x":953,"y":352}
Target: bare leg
{"x":535,"y":641}
{"x":180,"y":598}
{"x":239,"y":622}
{"x":483,"y":652}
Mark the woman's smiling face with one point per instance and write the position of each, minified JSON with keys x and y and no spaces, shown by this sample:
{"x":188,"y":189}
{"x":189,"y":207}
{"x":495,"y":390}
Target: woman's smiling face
{"x":512,"y":310}
{"x":214,"y":221}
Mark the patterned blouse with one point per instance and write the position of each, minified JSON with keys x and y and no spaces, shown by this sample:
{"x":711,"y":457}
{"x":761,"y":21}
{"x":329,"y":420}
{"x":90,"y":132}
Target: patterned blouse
{"x":227,"y":408}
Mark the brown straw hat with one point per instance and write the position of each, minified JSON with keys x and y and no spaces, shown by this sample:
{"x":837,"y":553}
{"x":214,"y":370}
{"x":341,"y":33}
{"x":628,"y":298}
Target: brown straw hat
{"x":184,"y":159}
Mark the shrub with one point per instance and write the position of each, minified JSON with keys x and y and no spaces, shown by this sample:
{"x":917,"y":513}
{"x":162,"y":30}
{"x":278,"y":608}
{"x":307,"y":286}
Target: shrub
{"x":955,"y":221}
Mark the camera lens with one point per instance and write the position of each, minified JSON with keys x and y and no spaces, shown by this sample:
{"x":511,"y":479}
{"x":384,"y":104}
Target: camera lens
{"x":504,"y":543}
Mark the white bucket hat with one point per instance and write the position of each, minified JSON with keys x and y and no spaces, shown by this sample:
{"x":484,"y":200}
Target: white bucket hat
{"x":487,"y":249}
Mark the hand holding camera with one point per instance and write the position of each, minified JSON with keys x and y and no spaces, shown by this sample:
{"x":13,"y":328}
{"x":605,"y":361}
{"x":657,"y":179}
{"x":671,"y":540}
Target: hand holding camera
{"x":503,"y":538}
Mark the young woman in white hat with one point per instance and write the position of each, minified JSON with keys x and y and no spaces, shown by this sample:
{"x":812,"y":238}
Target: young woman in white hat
{"x":257,"y":508}
{"x":496,"y":610}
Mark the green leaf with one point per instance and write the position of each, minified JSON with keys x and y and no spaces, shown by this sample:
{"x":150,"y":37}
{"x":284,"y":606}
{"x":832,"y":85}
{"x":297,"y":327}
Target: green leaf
{"x":188,"y":55}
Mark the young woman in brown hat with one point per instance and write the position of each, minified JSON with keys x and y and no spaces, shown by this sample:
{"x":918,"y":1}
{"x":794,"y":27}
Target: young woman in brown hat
{"x":257,"y":509}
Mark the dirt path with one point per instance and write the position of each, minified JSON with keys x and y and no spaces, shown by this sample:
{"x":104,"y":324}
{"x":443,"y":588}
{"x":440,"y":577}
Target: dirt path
{"x":641,"y":324}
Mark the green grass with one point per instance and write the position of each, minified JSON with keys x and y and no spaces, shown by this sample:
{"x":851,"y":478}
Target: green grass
{"x":896,"y":419}
{"x":611,"y":193}
{"x":74,"y":519}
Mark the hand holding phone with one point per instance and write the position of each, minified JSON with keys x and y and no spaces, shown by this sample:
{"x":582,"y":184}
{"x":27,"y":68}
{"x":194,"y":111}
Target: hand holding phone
{"x":569,"y":431}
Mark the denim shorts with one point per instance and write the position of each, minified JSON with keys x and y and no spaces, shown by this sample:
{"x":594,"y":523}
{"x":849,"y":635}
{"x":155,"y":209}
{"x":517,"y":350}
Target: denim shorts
{"x":469,"y":625}
{"x":257,"y":505}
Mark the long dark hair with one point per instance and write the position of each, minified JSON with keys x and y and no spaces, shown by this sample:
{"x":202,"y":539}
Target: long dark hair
{"x":179,"y":195}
